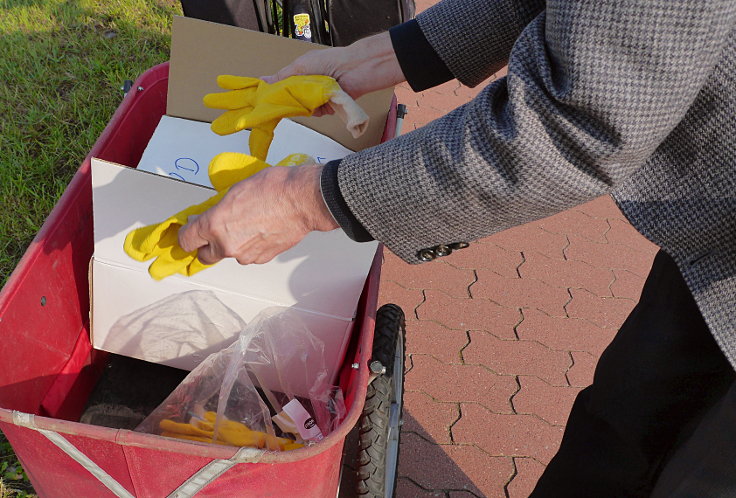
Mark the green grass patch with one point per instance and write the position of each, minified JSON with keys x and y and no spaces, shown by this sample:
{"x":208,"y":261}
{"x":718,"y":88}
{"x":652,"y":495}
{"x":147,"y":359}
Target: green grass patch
{"x":62,"y":63}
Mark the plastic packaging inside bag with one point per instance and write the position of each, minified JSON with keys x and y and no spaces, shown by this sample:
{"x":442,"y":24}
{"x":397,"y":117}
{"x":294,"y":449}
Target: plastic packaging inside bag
{"x":269,"y":389}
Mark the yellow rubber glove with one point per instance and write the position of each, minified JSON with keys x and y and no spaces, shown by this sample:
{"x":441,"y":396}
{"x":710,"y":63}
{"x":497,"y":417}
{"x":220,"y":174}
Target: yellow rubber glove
{"x":161,"y":240}
{"x":229,"y":168}
{"x":230,"y":433}
{"x":253,"y":103}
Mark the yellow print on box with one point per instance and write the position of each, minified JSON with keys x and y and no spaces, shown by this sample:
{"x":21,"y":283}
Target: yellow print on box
{"x":301,"y":26}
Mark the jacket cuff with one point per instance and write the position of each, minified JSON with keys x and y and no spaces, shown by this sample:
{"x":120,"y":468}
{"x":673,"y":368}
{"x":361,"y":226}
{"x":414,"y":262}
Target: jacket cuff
{"x":419,"y":62}
{"x":337,"y":205}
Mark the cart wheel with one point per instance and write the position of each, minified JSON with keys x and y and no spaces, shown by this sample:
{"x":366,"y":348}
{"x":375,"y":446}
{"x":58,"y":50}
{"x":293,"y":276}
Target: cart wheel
{"x":380,"y":422}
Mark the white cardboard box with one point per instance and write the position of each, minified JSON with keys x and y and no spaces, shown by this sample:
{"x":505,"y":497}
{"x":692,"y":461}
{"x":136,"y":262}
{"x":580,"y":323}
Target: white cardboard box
{"x":322,"y":277}
{"x":182,"y":148}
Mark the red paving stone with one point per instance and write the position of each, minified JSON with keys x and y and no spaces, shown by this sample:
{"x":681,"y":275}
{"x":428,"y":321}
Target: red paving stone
{"x":428,"y":418}
{"x":623,"y":233}
{"x":606,"y":312}
{"x":575,"y":274}
{"x":530,"y":237}
{"x":407,"y":488}
{"x":581,"y":372}
{"x":636,"y":259}
{"x":548,"y":402}
{"x":506,"y":435}
{"x":539,"y":302}
{"x":577,"y":222}
{"x":517,"y":357}
{"x":456,"y":383}
{"x":469,"y":314}
{"x":528,"y":472}
{"x":563,"y":333}
{"x":627,"y":285}
{"x":489,"y":257}
{"x":520,"y":293}
{"x":436,"y":340}
{"x":453,"y":467}
{"x":437,"y":276}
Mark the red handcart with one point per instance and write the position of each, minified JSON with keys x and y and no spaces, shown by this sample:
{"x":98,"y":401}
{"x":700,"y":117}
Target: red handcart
{"x":51,"y":368}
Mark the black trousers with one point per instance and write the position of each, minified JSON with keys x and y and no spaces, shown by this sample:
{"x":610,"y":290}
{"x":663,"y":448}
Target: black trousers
{"x":660,"y":403}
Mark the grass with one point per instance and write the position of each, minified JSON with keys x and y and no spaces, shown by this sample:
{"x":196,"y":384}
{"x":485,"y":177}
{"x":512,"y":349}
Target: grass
{"x":62,"y":63}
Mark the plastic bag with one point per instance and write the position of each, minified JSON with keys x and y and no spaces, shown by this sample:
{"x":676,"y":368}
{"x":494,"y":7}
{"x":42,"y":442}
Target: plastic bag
{"x":231,"y":397}
{"x":190,"y":324}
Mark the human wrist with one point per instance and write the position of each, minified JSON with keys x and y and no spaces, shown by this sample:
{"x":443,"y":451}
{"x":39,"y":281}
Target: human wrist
{"x":307,"y":199}
{"x":373,"y":59}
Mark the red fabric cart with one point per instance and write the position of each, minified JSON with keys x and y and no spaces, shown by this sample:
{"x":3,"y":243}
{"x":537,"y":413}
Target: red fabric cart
{"x":51,"y":367}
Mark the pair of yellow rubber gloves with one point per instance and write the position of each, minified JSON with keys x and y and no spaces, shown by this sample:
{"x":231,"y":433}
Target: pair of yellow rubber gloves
{"x":229,"y":433}
{"x":249,"y":103}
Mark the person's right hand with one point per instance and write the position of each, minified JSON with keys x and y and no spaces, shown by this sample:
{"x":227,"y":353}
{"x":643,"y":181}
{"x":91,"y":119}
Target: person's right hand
{"x":365,"y":66}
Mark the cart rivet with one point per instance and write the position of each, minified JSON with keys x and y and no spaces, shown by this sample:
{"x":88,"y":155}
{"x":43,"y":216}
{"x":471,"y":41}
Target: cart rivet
{"x":43,"y":300}
{"x":140,"y":88}
{"x":355,"y":366}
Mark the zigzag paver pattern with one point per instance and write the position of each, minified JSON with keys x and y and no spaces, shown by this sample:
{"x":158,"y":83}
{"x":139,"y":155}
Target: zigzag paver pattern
{"x":501,"y":336}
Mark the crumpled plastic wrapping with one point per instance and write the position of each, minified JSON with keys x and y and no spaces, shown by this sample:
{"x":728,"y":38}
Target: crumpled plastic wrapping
{"x":190,"y":324}
{"x":274,"y":360}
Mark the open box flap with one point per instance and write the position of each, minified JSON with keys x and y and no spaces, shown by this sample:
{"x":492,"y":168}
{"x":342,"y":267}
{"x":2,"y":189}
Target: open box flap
{"x":201,"y":50}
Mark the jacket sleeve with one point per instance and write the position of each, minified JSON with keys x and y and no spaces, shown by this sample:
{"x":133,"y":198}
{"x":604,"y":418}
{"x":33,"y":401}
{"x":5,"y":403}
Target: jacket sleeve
{"x":474,"y":37}
{"x":592,"y":89}
{"x":428,"y":47}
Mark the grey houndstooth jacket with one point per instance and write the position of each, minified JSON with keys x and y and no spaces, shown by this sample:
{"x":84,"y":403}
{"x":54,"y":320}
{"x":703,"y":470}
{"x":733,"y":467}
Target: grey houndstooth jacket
{"x":631,"y":97}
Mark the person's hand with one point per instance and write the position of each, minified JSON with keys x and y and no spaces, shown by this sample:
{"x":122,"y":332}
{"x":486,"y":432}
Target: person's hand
{"x":260,"y":217}
{"x":365,"y":66}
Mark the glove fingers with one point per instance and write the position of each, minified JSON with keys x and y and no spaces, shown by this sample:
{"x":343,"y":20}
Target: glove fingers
{"x":172,"y":258}
{"x":135,"y":240}
{"x":235,"y":99}
{"x":230,"y":82}
{"x":142,"y":244}
{"x":260,"y":140}
{"x":232,"y":121}
{"x":229,"y":168}
{"x":194,"y":267}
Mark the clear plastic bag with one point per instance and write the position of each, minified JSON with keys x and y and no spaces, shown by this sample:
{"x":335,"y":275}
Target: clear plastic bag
{"x":191,"y":324}
{"x":275,"y":360}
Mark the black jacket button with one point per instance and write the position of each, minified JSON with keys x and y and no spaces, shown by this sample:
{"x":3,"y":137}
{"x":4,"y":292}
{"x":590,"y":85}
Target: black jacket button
{"x":426,"y":255}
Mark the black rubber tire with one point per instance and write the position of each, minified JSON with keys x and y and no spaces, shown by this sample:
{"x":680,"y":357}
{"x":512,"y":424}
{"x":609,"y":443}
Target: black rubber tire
{"x":374,"y":424}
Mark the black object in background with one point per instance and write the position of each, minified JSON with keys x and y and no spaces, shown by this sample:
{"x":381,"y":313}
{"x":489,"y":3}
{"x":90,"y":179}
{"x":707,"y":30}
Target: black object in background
{"x":129,"y":390}
{"x":327,"y":22}
{"x":243,"y":13}
{"x":351,"y":20}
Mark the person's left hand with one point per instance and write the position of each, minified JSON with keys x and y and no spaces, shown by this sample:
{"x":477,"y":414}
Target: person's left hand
{"x":260,"y":217}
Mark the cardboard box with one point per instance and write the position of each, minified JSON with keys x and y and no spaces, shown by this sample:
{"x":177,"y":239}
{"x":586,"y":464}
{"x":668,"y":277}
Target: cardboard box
{"x":322,"y":277}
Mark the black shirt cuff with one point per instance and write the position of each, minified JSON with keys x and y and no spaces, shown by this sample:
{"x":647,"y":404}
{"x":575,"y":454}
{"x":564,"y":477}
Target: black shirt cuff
{"x":337,"y":205}
{"x":420,"y":64}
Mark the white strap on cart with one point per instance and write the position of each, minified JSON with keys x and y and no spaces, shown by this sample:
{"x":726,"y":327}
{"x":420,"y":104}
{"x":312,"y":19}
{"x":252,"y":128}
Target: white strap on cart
{"x":213,"y":470}
{"x":28,"y":420}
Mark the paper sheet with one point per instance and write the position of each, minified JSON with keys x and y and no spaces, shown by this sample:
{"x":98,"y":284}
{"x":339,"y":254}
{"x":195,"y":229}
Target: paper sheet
{"x":183,"y":149}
